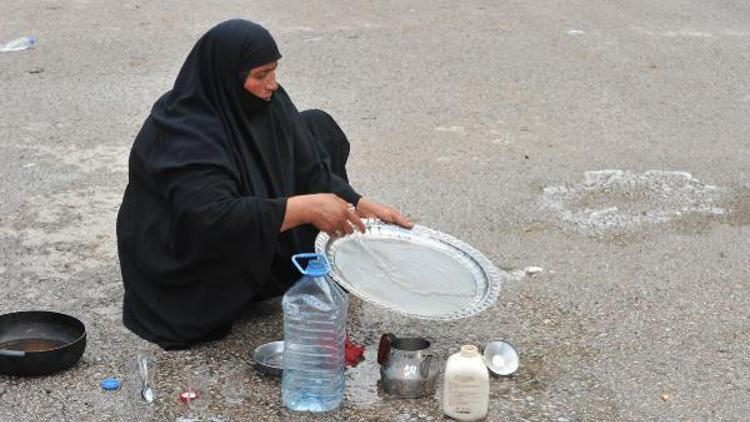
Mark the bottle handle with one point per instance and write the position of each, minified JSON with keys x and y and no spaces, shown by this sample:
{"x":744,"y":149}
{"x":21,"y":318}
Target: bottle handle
{"x":302,"y":256}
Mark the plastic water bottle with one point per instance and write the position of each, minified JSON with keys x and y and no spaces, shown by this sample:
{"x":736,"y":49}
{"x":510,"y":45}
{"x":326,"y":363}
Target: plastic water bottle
{"x":18,"y":44}
{"x":314,"y":333}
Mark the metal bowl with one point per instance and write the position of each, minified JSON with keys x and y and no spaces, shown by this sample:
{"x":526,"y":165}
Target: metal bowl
{"x":269,"y":358}
{"x":501,"y":358}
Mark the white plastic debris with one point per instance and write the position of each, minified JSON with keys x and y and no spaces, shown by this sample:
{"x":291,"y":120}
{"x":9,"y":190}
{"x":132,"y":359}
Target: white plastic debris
{"x":18,"y":44}
{"x":533,"y":270}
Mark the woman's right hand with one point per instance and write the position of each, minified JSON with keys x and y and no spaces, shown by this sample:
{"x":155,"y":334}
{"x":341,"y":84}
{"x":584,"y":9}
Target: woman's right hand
{"x":326,"y":211}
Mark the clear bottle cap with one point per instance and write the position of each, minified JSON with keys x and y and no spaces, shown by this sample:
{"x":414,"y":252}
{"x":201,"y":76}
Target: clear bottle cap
{"x":469,"y":350}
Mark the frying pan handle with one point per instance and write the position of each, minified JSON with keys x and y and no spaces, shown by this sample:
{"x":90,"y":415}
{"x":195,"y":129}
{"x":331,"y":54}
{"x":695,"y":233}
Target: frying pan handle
{"x":12,"y":353}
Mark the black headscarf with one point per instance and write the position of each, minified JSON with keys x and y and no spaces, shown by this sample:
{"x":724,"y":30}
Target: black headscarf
{"x":209,"y":175}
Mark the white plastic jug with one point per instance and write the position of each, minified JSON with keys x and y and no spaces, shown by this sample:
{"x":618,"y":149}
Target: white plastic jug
{"x":466,"y":391}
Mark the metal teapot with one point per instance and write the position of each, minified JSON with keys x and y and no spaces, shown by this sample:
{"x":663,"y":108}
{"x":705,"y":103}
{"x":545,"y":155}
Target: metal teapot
{"x":406,"y":369}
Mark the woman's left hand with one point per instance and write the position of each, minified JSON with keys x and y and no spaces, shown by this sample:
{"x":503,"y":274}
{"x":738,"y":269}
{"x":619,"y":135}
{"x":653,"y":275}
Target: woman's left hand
{"x":369,"y":209}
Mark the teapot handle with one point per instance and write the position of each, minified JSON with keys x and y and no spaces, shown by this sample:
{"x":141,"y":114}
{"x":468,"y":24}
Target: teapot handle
{"x":426,"y":366}
{"x":384,"y":348}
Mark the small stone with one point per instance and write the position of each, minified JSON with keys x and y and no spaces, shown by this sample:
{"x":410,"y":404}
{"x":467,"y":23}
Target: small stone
{"x":533,"y":270}
{"x":36,"y":70}
{"x":665,"y":396}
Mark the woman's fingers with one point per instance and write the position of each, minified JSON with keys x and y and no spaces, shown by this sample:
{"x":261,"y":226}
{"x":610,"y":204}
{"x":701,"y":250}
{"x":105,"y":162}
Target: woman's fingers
{"x":347,"y":227}
{"x":394,"y":217}
{"x":354,"y":219}
{"x":404,"y":221}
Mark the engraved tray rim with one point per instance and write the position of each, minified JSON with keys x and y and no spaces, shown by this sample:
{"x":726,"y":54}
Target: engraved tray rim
{"x":479,"y":265}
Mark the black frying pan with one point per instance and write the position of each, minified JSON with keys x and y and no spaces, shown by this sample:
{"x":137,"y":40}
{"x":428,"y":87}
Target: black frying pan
{"x":39,"y":343}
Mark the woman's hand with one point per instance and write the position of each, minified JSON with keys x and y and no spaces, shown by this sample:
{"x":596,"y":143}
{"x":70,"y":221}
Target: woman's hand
{"x":326,"y":211}
{"x":370,"y":209}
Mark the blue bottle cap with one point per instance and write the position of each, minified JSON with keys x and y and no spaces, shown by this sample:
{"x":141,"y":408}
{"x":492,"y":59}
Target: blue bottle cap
{"x":317,"y":265}
{"x":110,"y":384}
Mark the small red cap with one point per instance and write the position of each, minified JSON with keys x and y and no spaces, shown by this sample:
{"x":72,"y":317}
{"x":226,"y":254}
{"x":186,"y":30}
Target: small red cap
{"x":188,"y":395}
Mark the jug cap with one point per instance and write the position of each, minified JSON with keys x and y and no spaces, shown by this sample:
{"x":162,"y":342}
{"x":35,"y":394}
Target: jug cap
{"x":469,"y":350}
{"x":317,"y":265}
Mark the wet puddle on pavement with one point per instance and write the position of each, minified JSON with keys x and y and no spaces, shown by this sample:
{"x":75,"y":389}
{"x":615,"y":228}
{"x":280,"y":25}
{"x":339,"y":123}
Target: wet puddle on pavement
{"x":362,"y":389}
{"x":618,"y":201}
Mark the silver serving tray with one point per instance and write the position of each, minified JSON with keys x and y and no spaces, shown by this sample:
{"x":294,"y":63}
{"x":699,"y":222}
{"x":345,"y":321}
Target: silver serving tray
{"x":421,"y":273}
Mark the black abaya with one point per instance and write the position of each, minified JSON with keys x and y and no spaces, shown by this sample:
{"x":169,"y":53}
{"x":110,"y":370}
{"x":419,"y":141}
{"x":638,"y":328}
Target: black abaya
{"x":209,"y":174}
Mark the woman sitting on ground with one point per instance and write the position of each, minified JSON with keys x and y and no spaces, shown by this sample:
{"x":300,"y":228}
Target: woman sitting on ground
{"x":227,"y":180}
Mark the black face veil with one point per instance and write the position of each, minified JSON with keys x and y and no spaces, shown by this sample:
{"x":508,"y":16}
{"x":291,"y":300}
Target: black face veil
{"x":209,"y":175}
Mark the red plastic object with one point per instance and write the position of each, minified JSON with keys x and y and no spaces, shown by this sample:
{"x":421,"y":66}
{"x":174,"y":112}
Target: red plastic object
{"x":188,"y":395}
{"x":353,"y":353}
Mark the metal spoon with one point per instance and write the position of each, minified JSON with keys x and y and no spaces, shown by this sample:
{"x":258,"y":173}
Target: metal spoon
{"x":146,"y":391}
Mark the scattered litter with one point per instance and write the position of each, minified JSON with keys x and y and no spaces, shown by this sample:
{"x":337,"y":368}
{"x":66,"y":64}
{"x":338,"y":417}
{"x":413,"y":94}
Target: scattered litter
{"x":313,"y":39}
{"x":36,"y":70}
{"x":353,"y":353}
{"x":18,"y":44}
{"x":110,"y":384}
{"x":576,"y":32}
{"x":187,"y":395}
{"x":29,"y":165}
{"x":665,"y":396}
{"x":533,"y":270}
